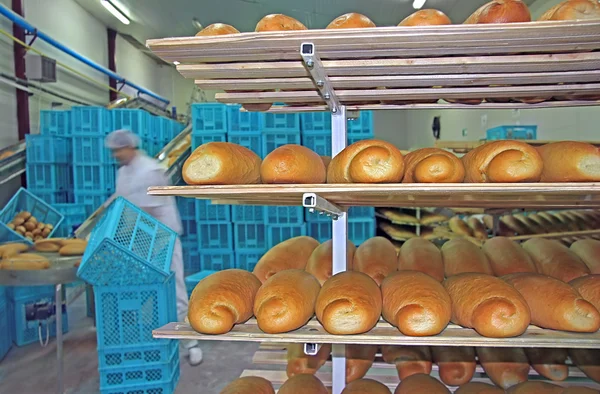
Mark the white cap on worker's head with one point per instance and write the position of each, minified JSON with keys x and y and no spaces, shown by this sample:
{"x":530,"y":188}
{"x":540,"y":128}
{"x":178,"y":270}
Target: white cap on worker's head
{"x":122,"y":139}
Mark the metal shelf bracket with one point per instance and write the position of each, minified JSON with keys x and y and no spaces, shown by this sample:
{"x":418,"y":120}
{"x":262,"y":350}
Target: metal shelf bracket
{"x":315,"y":203}
{"x":314,"y":66}
{"x":311,"y":349}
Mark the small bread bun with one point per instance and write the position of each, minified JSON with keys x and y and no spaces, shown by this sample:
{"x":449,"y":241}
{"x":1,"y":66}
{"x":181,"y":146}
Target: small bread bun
{"x":573,"y":10}
{"x":278,"y":22}
{"x":217,"y":29}
{"x":501,"y":11}
{"x":293,"y":164}
{"x":427,"y":17}
{"x":351,"y":20}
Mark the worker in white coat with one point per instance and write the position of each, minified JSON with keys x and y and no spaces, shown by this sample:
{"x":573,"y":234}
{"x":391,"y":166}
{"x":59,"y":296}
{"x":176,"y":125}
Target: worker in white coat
{"x":137,"y":172}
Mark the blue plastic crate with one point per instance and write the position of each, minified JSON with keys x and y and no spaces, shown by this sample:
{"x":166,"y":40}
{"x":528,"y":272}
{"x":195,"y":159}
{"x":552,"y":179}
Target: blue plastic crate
{"x":315,"y":217}
{"x":56,"y":123}
{"x":162,"y":129}
{"x":207,"y":212}
{"x":362,"y":126}
{"x":512,"y":133}
{"x":94,"y":178}
{"x":141,"y":374}
{"x":321,"y":231}
{"x":74,"y":215}
{"x":24,"y":200}
{"x":202,"y":139}
{"x":191,"y":261}
{"x":361,"y":213}
{"x":91,"y":200}
{"x":355,"y":138}
{"x":126,"y":315}
{"x":215,"y":236}
{"x":53,"y":197}
{"x":91,"y":150}
{"x":248,"y":214}
{"x":91,"y":121}
{"x":315,"y":122}
{"x":272,"y":141}
{"x":15,"y":293}
{"x":209,"y":118}
{"x":187,"y":208}
{"x":216,"y":260}
{"x":190,"y":231}
{"x":26,"y":332}
{"x":319,"y":143}
{"x":250,"y":140}
{"x":128,"y":246}
{"x":246,"y":260}
{"x":49,"y":177}
{"x":136,"y":120}
{"x":359,"y":230}
{"x":243,"y":122}
{"x":279,"y":233}
{"x":284,"y":215}
{"x":130,"y":356}
{"x":191,"y":281}
{"x":250,"y":236}
{"x":47,"y":149}
{"x":159,"y":387}
{"x":5,"y":329}
{"x":281,"y":123}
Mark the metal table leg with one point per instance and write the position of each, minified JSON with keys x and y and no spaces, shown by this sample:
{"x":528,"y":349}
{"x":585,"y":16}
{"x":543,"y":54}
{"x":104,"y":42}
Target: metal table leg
{"x":59,"y":339}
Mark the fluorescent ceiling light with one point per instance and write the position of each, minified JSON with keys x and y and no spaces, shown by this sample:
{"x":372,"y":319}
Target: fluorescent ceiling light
{"x":418,"y":4}
{"x":176,"y":63}
{"x":117,"y":13}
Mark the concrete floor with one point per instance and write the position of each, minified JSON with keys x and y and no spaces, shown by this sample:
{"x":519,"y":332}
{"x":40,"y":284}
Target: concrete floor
{"x":32,"y":369}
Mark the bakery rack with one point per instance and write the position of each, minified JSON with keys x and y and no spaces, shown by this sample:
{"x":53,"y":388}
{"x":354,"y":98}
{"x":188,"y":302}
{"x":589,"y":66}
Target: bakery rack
{"x":342,"y":71}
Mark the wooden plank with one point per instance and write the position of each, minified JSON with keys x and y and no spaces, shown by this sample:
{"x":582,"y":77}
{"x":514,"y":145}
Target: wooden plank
{"x":561,"y":235}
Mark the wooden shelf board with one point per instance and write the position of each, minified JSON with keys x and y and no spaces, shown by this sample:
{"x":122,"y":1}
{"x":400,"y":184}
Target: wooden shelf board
{"x":384,"y":333}
{"x":481,"y":195}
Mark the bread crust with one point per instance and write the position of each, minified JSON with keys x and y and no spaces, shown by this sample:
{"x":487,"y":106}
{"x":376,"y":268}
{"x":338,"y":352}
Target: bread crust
{"x":433,"y":165}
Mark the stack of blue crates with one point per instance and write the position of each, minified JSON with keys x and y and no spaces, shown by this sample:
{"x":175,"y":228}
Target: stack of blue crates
{"x":74,"y":216}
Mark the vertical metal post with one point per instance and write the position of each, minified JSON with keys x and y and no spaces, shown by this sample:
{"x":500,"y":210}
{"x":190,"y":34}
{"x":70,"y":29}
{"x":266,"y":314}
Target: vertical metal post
{"x":340,"y":236}
{"x":112,"y":61}
{"x":21,"y":95}
{"x":59,"y":339}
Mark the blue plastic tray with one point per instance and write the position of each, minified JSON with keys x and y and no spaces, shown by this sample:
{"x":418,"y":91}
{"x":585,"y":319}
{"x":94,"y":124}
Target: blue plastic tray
{"x":91,"y":121}
{"x":284,"y":215}
{"x":512,"y":133}
{"x":91,"y":150}
{"x":94,"y":178}
{"x":315,"y":122}
{"x":47,"y":149}
{"x":56,"y":123}
{"x":321,"y":231}
{"x":209,"y":118}
{"x":243,"y":122}
{"x":201,"y":139}
{"x":161,"y":387}
{"x":74,"y":215}
{"x":215,"y":235}
{"x":359,"y":230}
{"x":246,"y":260}
{"x":250,"y":236}
{"x":362,"y":126}
{"x":141,"y":374}
{"x":191,"y":281}
{"x":216,"y":260}
{"x":136,"y":120}
{"x":49,"y":177}
{"x":53,"y":197}
{"x":129,"y":356}
{"x":272,"y":141}
{"x":207,"y":212}
{"x":250,"y":140}
{"x":91,"y":200}
{"x":279,"y":233}
{"x":281,"y":123}
{"x":248,"y":214}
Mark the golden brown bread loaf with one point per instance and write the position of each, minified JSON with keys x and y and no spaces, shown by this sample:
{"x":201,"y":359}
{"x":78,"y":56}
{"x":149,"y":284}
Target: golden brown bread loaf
{"x":555,"y":304}
{"x":415,"y":303}
{"x":25,"y":262}
{"x":426,"y":17}
{"x":217,"y":29}
{"x":221,"y":300}
{"x":303,"y":384}
{"x":500,"y":11}
{"x":418,"y":254}
{"x":589,"y":288}
{"x":588,"y":361}
{"x":293,"y":164}
{"x":409,"y":360}
{"x":478,"y":229}
{"x":249,"y":385}
{"x":456,"y":364}
{"x":488,"y":304}
{"x":554,"y":259}
{"x":320,"y":263}
{"x":359,"y":359}
{"x":503,"y":162}
{"x":290,"y":254}
{"x":349,"y":303}
{"x":588,"y":250}
{"x":550,"y":363}
{"x":433,"y":165}
{"x":478,"y":388}
{"x":573,"y":10}
{"x":351,"y":20}
{"x":530,"y":225}
{"x":570,"y":161}
{"x":12,"y":249}
{"x":506,"y":367}
{"x":460,"y":256}
{"x":421,"y":383}
{"x":507,"y":257}
{"x":47,"y":245}
{"x":300,"y":363}
{"x":376,"y":257}
{"x":286,"y":301}
{"x":365,"y":386}
{"x":278,"y":22}
{"x":221,"y":163}
{"x":535,"y":387}
{"x":367,"y":161}
{"x":74,"y":249}
{"x":514,"y":225}
{"x":459,"y":226}
{"x":579,"y":390}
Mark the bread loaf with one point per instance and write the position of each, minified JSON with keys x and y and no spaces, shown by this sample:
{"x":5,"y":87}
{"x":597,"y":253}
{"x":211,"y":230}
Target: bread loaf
{"x":366,"y":386}
{"x":456,"y":364}
{"x":433,"y":165}
{"x":506,"y":367}
{"x":555,"y":304}
{"x":359,"y":359}
{"x":579,"y":390}
{"x":535,"y":388}
{"x":293,"y":164}
{"x":507,"y":257}
{"x":459,"y":226}
{"x":249,"y":385}
{"x":588,"y":360}
{"x":300,"y":363}
{"x":573,"y":10}
{"x":409,"y":360}
{"x":426,"y":17}
{"x":351,"y":20}
{"x":460,"y":256}
{"x":74,"y":249}
{"x":290,"y":254}
{"x":589,"y":288}
{"x":530,"y":225}
{"x":549,"y":363}
{"x":47,"y":245}
{"x":421,"y":384}
{"x":367,"y":161}
{"x":503,"y":162}
{"x":570,"y":161}
{"x":12,"y":249}
{"x":415,"y":303}
{"x":25,"y":262}
{"x":286,"y":301}
{"x":303,"y":384}
{"x":377,"y":258}
{"x":478,"y":229}
{"x":221,"y":300}
{"x":488,"y":304}
{"x":478,"y":388}
{"x":217,"y":29}
{"x":221,"y":163}
{"x":320,"y":263}
{"x":514,"y":225}
{"x":349,"y":303}
{"x":588,"y":250}
{"x":278,"y":22}
{"x":418,"y":254}
{"x":500,"y":11}
{"x":554,"y":259}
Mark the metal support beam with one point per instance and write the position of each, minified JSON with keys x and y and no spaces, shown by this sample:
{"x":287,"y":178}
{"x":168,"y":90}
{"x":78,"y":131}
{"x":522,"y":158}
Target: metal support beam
{"x":19,"y":53}
{"x":313,"y":64}
{"x":112,"y":61}
{"x":316,"y":203}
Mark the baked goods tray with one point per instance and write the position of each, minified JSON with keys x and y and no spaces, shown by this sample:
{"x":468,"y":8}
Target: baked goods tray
{"x":385,"y":334}
{"x":62,"y":269}
{"x":479,"y":195}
